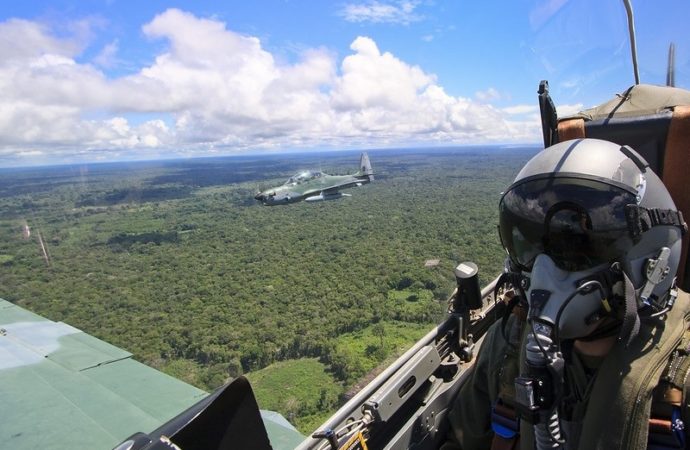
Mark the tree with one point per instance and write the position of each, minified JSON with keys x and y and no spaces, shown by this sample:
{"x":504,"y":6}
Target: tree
{"x":379,"y":331}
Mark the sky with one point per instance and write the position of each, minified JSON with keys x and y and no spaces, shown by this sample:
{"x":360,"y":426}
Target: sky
{"x":113,"y":80}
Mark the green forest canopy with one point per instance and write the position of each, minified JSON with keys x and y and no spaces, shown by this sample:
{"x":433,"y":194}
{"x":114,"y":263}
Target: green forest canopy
{"x":177,"y":263}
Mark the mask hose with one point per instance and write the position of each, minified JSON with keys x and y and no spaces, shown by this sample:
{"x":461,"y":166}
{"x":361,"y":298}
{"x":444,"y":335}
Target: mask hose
{"x":540,"y":390}
{"x":543,"y":361}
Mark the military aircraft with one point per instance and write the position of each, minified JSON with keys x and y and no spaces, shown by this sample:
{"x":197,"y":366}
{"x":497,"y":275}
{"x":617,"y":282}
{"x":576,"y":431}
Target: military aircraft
{"x":315,"y":186}
{"x":406,"y":405}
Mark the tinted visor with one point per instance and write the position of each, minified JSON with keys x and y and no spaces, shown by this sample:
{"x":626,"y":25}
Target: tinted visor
{"x":579,"y":223}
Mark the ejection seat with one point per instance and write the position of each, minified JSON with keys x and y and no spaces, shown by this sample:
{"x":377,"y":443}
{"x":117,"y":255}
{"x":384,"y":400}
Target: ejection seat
{"x":653,"y":120}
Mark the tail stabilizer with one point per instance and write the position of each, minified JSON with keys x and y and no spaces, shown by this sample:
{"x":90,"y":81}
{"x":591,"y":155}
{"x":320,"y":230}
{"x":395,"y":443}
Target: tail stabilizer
{"x":365,"y":169}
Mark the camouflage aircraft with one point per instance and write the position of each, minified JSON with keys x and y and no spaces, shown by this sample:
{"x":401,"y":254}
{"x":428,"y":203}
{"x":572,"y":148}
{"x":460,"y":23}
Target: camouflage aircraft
{"x":314,"y":186}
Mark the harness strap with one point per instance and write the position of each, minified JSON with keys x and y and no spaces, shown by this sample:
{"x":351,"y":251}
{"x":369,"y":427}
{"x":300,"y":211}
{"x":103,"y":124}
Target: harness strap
{"x":506,"y":427}
{"x":666,"y":425}
{"x":515,"y":304}
{"x":499,"y":443}
{"x":504,"y":419}
{"x":631,"y":320}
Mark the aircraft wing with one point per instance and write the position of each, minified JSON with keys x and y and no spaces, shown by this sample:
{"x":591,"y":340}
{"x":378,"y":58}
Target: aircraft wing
{"x":62,"y":388}
{"x":334,"y":188}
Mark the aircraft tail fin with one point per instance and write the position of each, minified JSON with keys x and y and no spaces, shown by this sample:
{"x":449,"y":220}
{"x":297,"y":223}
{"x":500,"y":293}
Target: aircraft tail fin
{"x":365,"y":169}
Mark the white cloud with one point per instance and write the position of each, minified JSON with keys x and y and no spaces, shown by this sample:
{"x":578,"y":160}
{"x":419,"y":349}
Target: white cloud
{"x":487,"y":95}
{"x":521,"y":109}
{"x":568,"y":110}
{"x":23,"y":39}
{"x":372,"y":79}
{"x":107,"y":57}
{"x":218,"y":89}
{"x":400,"y":12}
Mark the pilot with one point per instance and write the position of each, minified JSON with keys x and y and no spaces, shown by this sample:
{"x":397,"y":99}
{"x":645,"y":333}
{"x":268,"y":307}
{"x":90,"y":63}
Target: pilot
{"x":595,"y":353}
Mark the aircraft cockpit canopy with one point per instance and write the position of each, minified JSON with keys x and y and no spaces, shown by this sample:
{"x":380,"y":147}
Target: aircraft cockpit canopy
{"x":301,"y":177}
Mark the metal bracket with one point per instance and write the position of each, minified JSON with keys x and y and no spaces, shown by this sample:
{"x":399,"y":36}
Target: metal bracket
{"x":396,"y":391}
{"x":656,"y":271}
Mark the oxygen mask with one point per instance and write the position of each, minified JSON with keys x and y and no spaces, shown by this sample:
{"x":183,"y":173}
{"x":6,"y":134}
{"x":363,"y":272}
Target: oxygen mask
{"x":570,"y":303}
{"x":562,"y":305}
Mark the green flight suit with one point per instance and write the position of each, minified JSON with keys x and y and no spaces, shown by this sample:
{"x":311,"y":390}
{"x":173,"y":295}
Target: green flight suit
{"x":614,"y":408}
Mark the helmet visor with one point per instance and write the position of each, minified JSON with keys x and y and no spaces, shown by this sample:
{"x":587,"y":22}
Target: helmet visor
{"x":580,"y":223}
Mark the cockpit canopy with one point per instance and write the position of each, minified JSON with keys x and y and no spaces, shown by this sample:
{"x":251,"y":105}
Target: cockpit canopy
{"x":301,"y":177}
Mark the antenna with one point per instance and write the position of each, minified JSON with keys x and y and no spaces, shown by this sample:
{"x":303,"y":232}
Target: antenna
{"x":671,"y":70}
{"x":633,"y":46}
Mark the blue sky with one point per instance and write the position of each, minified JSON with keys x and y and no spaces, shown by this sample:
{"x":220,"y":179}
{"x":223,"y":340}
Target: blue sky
{"x":113,"y":79}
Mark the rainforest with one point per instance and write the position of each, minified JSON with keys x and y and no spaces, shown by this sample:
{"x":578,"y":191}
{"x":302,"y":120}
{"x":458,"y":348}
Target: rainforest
{"x":177,"y":263}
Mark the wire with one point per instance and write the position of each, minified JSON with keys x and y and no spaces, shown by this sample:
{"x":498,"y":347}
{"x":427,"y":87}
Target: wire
{"x":538,"y":341}
{"x":659,"y":313}
{"x":360,"y":427}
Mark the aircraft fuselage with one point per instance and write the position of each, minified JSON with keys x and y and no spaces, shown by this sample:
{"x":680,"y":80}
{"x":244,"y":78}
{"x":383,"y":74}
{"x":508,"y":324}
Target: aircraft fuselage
{"x":314,"y":186}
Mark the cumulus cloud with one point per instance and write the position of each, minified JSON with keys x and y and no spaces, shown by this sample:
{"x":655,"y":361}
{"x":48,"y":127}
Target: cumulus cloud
{"x":214,"y":89}
{"x":374,"y":79}
{"x":400,"y":12}
{"x":21,"y":39}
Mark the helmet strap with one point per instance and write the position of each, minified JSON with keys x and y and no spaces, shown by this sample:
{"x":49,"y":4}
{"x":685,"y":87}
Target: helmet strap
{"x":642,"y":219}
{"x":631,"y":320}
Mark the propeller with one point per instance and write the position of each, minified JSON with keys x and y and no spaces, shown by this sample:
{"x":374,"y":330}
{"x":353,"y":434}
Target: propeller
{"x":260,"y":192}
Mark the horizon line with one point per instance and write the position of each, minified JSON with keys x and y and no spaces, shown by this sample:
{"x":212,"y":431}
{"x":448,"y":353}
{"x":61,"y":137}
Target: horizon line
{"x":265,"y":153}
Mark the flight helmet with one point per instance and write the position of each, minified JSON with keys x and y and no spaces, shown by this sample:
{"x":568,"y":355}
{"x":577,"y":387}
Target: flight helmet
{"x":585,"y":205}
